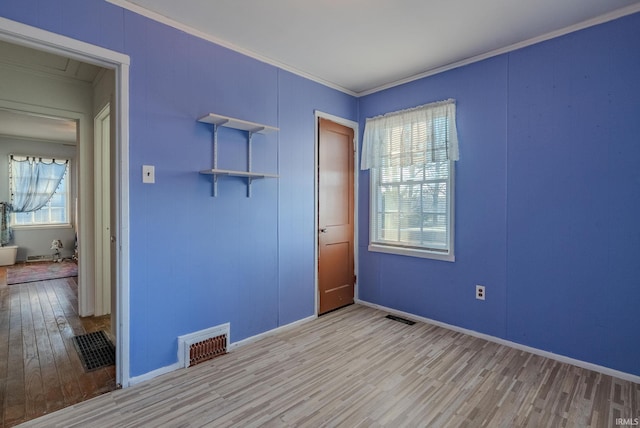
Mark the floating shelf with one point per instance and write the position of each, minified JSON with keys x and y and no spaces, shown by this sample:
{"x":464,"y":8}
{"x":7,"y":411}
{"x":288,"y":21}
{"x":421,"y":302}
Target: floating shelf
{"x":251,"y":128}
{"x":232,"y":173}
{"x":242,"y":125}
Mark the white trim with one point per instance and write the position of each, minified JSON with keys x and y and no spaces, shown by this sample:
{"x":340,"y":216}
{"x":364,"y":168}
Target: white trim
{"x":353,"y":125}
{"x":122,"y":222}
{"x":208,"y":37}
{"x":561,"y":358}
{"x":410,"y":252}
{"x":619,"y":13}
{"x":42,"y":226}
{"x":36,"y":38}
{"x":153,"y":374}
{"x":268,"y":333}
{"x":339,"y":120}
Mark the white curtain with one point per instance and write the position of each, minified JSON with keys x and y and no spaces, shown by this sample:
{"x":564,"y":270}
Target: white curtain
{"x":34,"y":181}
{"x":415,"y":136}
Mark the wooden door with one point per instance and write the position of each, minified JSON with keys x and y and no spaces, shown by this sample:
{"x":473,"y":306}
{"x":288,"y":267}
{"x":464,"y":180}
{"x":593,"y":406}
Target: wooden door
{"x":336,"y":276}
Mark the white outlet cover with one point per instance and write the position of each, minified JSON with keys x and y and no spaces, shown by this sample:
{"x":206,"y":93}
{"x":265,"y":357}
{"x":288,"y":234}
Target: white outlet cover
{"x":148,"y":174}
{"x":480,"y":292}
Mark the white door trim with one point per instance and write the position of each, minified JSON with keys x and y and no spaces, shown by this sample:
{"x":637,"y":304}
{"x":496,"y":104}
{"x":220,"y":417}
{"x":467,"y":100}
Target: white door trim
{"x":353,"y":125}
{"x":36,"y":38}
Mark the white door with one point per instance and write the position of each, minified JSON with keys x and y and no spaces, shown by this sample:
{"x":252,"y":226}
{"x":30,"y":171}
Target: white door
{"x":103,"y":232}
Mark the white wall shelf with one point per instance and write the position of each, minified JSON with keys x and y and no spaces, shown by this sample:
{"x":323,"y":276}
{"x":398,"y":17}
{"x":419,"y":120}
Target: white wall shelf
{"x":251,"y":128}
{"x":232,"y":173}
{"x":242,"y":125}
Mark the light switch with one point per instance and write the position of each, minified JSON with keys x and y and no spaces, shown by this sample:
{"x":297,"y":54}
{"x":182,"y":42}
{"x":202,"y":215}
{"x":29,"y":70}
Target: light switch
{"x":148,"y":174}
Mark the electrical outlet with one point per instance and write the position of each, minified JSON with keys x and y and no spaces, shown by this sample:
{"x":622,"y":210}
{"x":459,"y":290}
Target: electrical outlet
{"x":480,"y":293}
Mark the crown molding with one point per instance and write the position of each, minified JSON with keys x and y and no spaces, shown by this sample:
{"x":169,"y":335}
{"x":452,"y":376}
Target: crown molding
{"x":619,"y":13}
{"x":125,"y":4}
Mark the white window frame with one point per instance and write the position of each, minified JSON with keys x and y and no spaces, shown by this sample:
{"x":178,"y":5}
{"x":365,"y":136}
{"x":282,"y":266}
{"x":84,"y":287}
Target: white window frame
{"x":67,"y":183}
{"x":413,"y":137}
{"x":382,"y":247}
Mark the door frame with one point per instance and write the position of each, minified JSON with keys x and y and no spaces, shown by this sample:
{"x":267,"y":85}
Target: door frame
{"x":356,"y":156}
{"x":102,"y":210}
{"x":36,"y":38}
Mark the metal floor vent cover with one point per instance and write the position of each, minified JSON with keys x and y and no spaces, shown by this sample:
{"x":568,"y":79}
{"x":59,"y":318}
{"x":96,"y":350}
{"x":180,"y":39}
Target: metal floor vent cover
{"x":95,"y":350}
{"x":207,"y":349}
{"x":203,"y":345}
{"x":400,"y":319}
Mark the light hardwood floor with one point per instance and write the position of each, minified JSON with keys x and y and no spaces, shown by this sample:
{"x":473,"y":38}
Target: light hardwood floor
{"x":40,"y":371}
{"x":355,"y":368}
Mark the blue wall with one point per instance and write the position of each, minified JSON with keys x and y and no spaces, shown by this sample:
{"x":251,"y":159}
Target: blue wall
{"x":547,"y":196}
{"x":547,"y":199}
{"x":199,"y":261}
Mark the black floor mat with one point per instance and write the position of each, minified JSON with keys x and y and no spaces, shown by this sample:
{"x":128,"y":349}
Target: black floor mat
{"x":95,"y":350}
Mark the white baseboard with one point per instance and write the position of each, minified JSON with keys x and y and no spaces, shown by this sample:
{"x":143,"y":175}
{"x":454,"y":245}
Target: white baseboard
{"x":276,"y":330}
{"x":179,"y":365}
{"x":154,"y":373}
{"x":561,"y":358}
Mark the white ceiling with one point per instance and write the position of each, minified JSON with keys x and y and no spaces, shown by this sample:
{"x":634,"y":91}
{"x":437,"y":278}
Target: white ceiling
{"x":364,"y":45}
{"x":37,"y":127}
{"x":47,"y":63}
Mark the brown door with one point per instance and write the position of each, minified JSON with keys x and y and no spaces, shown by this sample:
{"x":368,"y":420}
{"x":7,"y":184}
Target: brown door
{"x":336,"y":275}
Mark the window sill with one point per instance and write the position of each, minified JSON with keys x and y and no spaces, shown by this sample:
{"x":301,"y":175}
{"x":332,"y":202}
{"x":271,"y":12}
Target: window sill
{"x":42,"y":226}
{"x":411,"y":252}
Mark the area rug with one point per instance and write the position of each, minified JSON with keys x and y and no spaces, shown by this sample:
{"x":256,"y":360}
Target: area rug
{"x":95,"y":350}
{"x":30,"y":272}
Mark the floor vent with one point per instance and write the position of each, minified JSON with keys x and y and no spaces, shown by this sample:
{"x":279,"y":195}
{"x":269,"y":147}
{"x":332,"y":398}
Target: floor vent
{"x":203,"y":345}
{"x":95,"y":350}
{"x":39,"y":258}
{"x":400,"y":319}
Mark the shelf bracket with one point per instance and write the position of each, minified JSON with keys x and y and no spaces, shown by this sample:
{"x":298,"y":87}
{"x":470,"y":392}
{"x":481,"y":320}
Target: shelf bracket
{"x":250,"y":128}
{"x":214,"y":179}
{"x":249,"y":179}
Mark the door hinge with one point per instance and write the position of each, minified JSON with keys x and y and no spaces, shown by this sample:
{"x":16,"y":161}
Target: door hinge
{"x":355,"y":278}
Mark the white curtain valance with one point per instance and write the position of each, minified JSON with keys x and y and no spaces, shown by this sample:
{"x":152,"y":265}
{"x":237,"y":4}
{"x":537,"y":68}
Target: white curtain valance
{"x":415,"y":136}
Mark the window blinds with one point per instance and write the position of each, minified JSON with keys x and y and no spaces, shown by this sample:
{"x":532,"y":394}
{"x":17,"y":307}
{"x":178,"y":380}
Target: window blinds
{"x":412,"y":137}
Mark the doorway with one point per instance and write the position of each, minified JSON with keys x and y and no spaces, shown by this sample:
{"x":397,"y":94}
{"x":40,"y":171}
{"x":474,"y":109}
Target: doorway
{"x":336,"y":213}
{"x":55,"y":45}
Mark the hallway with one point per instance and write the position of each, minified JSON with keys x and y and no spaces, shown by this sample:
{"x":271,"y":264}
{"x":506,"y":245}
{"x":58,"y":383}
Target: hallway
{"x":40,"y":370}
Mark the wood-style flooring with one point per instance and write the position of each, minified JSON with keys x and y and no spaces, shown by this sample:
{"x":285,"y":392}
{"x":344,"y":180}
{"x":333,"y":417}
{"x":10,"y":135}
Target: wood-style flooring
{"x":355,"y":368}
{"x":40,"y":371}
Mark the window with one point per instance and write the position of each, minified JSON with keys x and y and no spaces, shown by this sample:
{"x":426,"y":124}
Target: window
{"x":39,"y":191}
{"x":411,"y":156}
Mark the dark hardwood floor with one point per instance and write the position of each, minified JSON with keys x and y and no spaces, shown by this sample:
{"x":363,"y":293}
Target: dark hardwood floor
{"x":40,"y":370}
